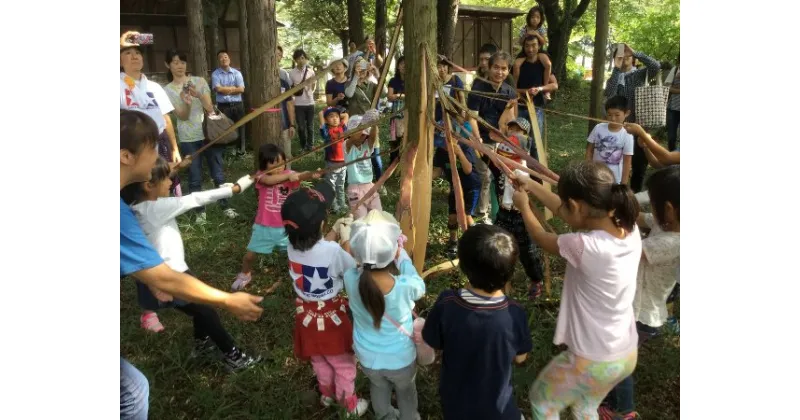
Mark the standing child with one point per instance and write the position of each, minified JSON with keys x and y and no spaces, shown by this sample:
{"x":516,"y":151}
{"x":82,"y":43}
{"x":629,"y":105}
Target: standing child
{"x":610,"y":143}
{"x":359,"y":175}
{"x":595,"y":319}
{"x":480,"y":331}
{"x":322,"y":329}
{"x":657,"y":277}
{"x":156,"y":212}
{"x":273,"y":188}
{"x":382,"y":293}
{"x":331,"y":130}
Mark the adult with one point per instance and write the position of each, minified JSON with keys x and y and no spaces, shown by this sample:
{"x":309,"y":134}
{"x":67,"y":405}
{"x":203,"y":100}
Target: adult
{"x":449,"y":81}
{"x":352,"y":47}
{"x":624,"y":80}
{"x":191,"y":98}
{"x":334,"y":88}
{"x":360,"y":91}
{"x":484,"y":54}
{"x":371,"y":54}
{"x":228,"y":83}
{"x":529,"y":72}
{"x":304,"y":100}
{"x":674,"y":107}
{"x":397,"y":96}
{"x":282,"y":73}
{"x":288,"y":113}
{"x":138,"y":258}
{"x":139,"y":94}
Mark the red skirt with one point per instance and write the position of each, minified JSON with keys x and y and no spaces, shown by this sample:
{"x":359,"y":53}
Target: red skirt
{"x":322,"y":328}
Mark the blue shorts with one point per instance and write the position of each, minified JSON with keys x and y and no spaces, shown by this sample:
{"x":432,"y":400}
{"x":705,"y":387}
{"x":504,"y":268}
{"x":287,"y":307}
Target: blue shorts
{"x":265,"y":238}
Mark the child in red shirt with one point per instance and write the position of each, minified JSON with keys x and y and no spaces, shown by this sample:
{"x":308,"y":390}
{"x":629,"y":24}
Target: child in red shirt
{"x":331,"y":130}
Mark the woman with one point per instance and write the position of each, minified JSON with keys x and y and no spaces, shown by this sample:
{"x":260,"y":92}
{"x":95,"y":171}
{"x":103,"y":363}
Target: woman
{"x":360,"y":92}
{"x":397,"y":96}
{"x":449,"y":81}
{"x":674,"y":107}
{"x":190,"y":96}
{"x":138,"y":94}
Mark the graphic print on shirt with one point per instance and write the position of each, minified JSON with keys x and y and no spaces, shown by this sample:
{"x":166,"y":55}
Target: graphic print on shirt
{"x":609,"y":148}
{"x":312,"y":281}
{"x":364,"y":167}
{"x":130,"y":101}
{"x":274,"y":198}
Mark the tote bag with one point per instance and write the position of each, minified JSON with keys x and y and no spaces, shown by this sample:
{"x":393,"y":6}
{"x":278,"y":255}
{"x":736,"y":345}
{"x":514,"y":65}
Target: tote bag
{"x":651,"y":104}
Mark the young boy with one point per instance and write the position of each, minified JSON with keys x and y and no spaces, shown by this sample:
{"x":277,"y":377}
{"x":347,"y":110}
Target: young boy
{"x":323,"y":331}
{"x":331,"y":130}
{"x":479,"y":330}
{"x":610,"y":143}
{"x":359,"y":175}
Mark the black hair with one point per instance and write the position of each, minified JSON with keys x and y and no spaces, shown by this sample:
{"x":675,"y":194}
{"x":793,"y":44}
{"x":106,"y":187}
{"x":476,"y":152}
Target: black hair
{"x":530,"y":15}
{"x":488,"y":256}
{"x":299,"y":53}
{"x":617,"y":102}
{"x":136,"y":131}
{"x":501,"y":55}
{"x":594,"y":184}
{"x":443,"y":61}
{"x":134,"y":193}
{"x":170,"y":56}
{"x":280,"y":48}
{"x":269,"y":153}
{"x":664,"y":186}
{"x":530,"y":38}
{"x":223,"y":51}
{"x":304,"y":239}
{"x":401,"y":59}
{"x":488,"y":48}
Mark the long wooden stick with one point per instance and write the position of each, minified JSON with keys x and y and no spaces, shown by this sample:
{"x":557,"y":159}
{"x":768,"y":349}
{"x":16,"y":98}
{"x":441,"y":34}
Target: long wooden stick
{"x":463,"y":70}
{"x":458,"y":191}
{"x":388,"y":59}
{"x":537,"y":136}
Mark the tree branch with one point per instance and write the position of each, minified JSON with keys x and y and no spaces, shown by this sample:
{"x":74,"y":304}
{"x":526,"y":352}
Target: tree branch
{"x":580,"y":10}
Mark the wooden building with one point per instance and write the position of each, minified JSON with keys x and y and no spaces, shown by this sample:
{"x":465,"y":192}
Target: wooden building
{"x":478,"y":25}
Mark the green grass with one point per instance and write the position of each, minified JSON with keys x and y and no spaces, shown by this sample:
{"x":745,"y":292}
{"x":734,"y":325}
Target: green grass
{"x":281,"y":387}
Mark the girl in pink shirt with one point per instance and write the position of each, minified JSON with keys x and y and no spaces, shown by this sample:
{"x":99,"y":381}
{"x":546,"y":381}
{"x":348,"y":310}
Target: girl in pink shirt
{"x":595,"y":319}
{"x":274,"y":183}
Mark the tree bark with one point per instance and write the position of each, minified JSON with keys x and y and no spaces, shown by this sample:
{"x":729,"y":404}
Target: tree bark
{"x":380,"y":26}
{"x":419,"y":21}
{"x":197,"y":38}
{"x":447,"y":11}
{"x":355,"y":21}
{"x":264,"y":82}
{"x":244,"y":51}
{"x":598,"y":61}
{"x":344,"y":36}
{"x":213,"y":33}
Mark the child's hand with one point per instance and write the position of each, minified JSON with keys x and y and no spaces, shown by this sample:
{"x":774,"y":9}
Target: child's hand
{"x":342,"y":228}
{"x":294,"y":177}
{"x":317,"y":174}
{"x":244,"y":183}
{"x":521,"y":200}
{"x":634,"y":129}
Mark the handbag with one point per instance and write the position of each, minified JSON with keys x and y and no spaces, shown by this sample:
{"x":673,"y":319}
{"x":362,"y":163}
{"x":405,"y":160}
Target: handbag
{"x":216,"y":124}
{"x":300,"y":92}
{"x":425,"y":353}
{"x":651,"y":104}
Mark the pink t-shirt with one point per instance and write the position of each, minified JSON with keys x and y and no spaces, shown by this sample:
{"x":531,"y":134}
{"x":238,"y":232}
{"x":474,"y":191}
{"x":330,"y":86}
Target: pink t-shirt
{"x":270,"y":200}
{"x":596,"y":315}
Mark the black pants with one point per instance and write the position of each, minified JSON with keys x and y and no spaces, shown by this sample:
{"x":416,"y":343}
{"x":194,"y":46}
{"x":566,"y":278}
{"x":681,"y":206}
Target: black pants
{"x":673,"y":122}
{"x":638,"y":167}
{"x":528,"y":254}
{"x":305,"y":125}
{"x":234,"y":111}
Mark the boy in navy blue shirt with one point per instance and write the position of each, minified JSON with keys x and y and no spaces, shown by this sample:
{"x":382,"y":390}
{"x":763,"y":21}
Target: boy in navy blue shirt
{"x":479,"y":330}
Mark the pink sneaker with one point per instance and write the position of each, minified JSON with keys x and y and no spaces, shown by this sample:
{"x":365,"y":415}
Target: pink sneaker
{"x":151,"y":323}
{"x":241,"y":281}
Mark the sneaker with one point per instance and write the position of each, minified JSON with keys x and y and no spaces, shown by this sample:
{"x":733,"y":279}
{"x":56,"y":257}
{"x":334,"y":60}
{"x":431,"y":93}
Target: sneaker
{"x":231,"y":213}
{"x":203,"y":348}
{"x":452,"y":249}
{"x":150,"y":322}
{"x":237,"y":360}
{"x":606,"y":413}
{"x":201,"y":218}
{"x":485,"y":220}
{"x":673,"y":325}
{"x":547,"y":96}
{"x":361,"y":408}
{"x":535,"y":291}
{"x":382,"y":191}
{"x":241,"y":281}
{"x":326,"y":401}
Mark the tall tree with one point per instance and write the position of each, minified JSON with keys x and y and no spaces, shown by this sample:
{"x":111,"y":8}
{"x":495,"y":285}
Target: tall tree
{"x":355,"y":20}
{"x":380,"y":26}
{"x":447,"y":11}
{"x":264,"y":82}
{"x":213,"y":11}
{"x":560,"y":21}
{"x":598,"y":61}
{"x":244,"y":50}
{"x":197,"y":38}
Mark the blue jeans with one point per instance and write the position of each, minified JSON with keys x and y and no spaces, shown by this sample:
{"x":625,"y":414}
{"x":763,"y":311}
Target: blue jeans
{"x":377,"y":164}
{"x":213,"y":157}
{"x":620,"y":399}
{"x":134,"y":392}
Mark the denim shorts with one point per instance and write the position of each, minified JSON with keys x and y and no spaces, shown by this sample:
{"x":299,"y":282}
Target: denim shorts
{"x":265,"y":238}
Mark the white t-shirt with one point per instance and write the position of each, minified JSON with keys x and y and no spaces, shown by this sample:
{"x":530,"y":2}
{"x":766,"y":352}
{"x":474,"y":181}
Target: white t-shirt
{"x":157,"y":219}
{"x":318,"y":274}
{"x":156,"y":107}
{"x":596,"y":315}
{"x":609,"y":147}
{"x":296,"y":76}
{"x":658,"y":273}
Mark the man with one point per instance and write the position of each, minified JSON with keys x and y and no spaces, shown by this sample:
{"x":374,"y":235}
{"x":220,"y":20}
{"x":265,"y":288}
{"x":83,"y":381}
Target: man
{"x":287,"y":111}
{"x":486,"y":52}
{"x":282,"y":73}
{"x":624,"y":80}
{"x":529,"y":73}
{"x":304,"y":102}
{"x":228,"y":83}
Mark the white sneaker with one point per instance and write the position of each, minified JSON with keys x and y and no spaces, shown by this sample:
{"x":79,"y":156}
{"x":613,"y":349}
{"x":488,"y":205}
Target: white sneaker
{"x":382,"y":191}
{"x":201,"y":218}
{"x":231,"y":213}
{"x":326,"y":401}
{"x":361,"y":408}
{"x":241,"y":281}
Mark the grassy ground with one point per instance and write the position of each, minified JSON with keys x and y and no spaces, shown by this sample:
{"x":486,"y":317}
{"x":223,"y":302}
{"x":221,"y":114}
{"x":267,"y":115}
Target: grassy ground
{"x":281,"y":387}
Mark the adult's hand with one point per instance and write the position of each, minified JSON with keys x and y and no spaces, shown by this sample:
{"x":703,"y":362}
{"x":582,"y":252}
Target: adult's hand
{"x":176,"y":156}
{"x":244,"y":306}
{"x":291,"y":132}
{"x":629,"y":50}
{"x":126,"y":40}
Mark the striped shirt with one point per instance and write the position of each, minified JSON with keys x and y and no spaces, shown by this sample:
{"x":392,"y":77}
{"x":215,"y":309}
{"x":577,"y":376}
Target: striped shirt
{"x":625,"y":84}
{"x":474,"y":299}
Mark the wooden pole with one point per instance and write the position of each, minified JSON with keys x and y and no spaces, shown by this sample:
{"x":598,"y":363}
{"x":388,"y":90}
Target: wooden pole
{"x":540,"y":146}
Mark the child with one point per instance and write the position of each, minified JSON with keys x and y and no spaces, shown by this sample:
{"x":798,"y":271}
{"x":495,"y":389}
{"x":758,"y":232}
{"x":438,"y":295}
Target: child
{"x":479,"y":330}
{"x":470,"y":180}
{"x":359,"y":175}
{"x":508,"y":216}
{"x":273,"y":188}
{"x":595,"y":319}
{"x":534,"y":25}
{"x":610,"y":143}
{"x":382,"y":295}
{"x":331,"y":130}
{"x":322,"y":329}
{"x":656,"y":278}
{"x":156,"y":212}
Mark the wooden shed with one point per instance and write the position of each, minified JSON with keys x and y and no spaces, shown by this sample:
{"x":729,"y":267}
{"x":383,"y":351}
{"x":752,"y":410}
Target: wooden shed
{"x":478,"y":25}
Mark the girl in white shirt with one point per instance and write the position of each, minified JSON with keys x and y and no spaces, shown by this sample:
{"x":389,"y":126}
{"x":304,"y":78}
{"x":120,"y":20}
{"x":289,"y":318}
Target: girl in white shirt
{"x":595,"y":319}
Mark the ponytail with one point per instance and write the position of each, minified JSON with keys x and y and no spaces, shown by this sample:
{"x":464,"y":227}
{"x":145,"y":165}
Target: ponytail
{"x":371,"y":296}
{"x":625,"y":206}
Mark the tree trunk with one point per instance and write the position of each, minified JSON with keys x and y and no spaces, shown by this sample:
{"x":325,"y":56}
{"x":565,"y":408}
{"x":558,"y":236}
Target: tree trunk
{"x":244,"y":51}
{"x":355,"y":20}
{"x":197,"y":38}
{"x":559,"y":29}
{"x":598,"y":61}
{"x":558,"y":47}
{"x":380,"y":27}
{"x":264,"y":82}
{"x":344,"y":36}
{"x":213,"y":33}
{"x":447,"y":11}
{"x":419,"y":18}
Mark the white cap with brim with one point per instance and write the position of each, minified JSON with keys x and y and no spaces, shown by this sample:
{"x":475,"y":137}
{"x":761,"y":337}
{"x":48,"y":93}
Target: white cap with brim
{"x":373,"y":239}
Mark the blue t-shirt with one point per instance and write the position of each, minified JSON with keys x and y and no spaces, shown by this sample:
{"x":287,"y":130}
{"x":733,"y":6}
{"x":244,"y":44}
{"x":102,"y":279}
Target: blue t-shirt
{"x":454,"y":81}
{"x":332,"y":87}
{"x":387,"y":347}
{"x":479,"y":338}
{"x":468,"y":181}
{"x":135,"y":251}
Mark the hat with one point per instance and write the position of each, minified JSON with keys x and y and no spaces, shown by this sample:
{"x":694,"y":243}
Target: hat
{"x":373,"y":239}
{"x":329,"y":110}
{"x":344,"y":62}
{"x":522,"y":123}
{"x":306,"y":208}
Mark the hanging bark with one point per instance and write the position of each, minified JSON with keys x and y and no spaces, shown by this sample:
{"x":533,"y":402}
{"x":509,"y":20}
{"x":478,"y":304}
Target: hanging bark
{"x":380,"y":26}
{"x":447,"y":11}
{"x":264,"y":82}
{"x":598,"y":61}
{"x":244,"y":52}
{"x":355,"y":20}
{"x":197,"y":38}
{"x":560,"y":22}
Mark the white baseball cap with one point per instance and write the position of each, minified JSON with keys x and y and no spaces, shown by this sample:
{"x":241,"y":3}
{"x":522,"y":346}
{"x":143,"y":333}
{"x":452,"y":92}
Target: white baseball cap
{"x":373,"y":239}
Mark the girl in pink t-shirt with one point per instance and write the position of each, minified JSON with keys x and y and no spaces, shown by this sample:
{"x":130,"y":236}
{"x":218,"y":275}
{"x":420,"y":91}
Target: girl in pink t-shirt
{"x":595,"y":319}
{"x":274,"y":183}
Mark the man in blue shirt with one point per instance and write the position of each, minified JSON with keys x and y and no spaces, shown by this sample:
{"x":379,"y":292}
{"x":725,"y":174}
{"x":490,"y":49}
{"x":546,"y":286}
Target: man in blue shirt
{"x":228,"y":83}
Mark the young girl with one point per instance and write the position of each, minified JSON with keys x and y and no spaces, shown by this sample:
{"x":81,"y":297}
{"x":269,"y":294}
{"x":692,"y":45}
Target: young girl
{"x":382,"y":295}
{"x":156,"y":212}
{"x":534,"y":25}
{"x":595,"y":319}
{"x":658,"y":275}
{"x":273,"y":188}
{"x":359,"y":175}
